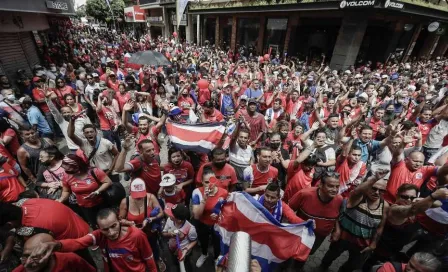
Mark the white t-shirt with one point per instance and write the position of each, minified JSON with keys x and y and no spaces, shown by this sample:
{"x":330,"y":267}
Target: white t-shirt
{"x":89,"y":90}
{"x":103,"y":157}
{"x":240,"y":157}
{"x":188,"y":230}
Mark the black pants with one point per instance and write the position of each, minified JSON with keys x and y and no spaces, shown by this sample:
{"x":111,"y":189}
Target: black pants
{"x":85,"y":254}
{"x":204,"y":232}
{"x":355,"y":260}
{"x":89,"y":214}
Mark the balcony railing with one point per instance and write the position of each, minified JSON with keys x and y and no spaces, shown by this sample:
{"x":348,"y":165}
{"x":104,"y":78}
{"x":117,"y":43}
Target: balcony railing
{"x":146,"y":2}
{"x":434,"y":4}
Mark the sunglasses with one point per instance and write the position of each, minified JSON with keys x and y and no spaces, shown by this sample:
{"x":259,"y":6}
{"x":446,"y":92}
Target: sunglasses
{"x":405,"y":197}
{"x":376,"y":189}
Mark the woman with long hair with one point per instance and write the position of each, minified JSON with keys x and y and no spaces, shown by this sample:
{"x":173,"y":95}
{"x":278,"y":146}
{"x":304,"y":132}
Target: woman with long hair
{"x":62,"y":89}
{"x":70,"y":101}
{"x":143,"y":210}
{"x":181,"y":169}
{"x":87,"y":184}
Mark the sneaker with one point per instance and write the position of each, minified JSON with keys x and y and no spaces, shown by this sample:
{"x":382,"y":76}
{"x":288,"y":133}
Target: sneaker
{"x":201,"y":260}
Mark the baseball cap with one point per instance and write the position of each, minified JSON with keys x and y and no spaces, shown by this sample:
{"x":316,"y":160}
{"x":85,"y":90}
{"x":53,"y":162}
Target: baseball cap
{"x":310,"y":78}
{"x":40,"y":73}
{"x":222,"y":73}
{"x":168,"y":180}
{"x":358,"y":76}
{"x":243,"y":97}
{"x":36,"y":79}
{"x":226,"y":85}
{"x":363,"y":95}
{"x":175,"y":111}
{"x":252,"y":101}
{"x":347,"y":72}
{"x":384,"y":76}
{"x":178,"y":211}
{"x":95,"y":75}
{"x":138,"y":188}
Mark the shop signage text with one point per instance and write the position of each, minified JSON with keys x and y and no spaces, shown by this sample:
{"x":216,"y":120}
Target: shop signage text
{"x":392,"y":4}
{"x":155,"y":19}
{"x":57,"y":5}
{"x":357,"y":3}
{"x":433,"y":26}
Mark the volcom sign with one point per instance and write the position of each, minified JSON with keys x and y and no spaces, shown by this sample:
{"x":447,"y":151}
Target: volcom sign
{"x":392,"y":4}
{"x":356,"y":3}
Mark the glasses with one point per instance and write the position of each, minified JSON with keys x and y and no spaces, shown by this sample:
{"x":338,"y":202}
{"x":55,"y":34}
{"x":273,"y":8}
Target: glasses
{"x":405,"y":197}
{"x":376,"y":189}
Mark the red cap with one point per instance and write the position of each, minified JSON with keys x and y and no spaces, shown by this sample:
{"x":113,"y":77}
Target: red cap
{"x":168,"y":209}
{"x":36,"y":79}
{"x":138,"y":188}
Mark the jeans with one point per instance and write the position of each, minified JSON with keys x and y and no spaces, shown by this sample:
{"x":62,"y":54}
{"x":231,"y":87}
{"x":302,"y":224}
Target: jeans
{"x":154,"y":246}
{"x":113,"y":137}
{"x":204,"y":232}
{"x":355,"y":260}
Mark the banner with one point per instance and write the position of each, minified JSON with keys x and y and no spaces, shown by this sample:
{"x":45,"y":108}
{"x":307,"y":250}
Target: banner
{"x":181,"y":5}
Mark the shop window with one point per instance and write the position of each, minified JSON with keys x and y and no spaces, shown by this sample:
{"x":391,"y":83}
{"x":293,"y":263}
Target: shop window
{"x":275,"y":35}
{"x":248,"y":32}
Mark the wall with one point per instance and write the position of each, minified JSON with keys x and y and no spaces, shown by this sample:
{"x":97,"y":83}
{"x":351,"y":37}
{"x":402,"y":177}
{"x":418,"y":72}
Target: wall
{"x":21,"y":21}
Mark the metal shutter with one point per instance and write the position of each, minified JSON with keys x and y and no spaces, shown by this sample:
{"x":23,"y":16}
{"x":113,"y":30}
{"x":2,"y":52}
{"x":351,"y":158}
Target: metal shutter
{"x":29,"y":47}
{"x":12,"y":56}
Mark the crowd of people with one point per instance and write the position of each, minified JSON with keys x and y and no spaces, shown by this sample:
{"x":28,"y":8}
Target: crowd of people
{"x":361,"y":151}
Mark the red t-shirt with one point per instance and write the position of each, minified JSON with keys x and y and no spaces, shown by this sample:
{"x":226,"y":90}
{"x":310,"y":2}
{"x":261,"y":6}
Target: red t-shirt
{"x":175,"y":198}
{"x":350,"y":175}
{"x":106,"y":117}
{"x":400,"y":174}
{"x":184,"y":103}
{"x":113,"y":85}
{"x":210,"y":203}
{"x":309,"y":206}
{"x":425,"y":128}
{"x":53,"y":216}
{"x":388,"y":267}
{"x":151,"y":135}
{"x":375,"y":125}
{"x":260,"y":178}
{"x":61,"y":92}
{"x":37,"y":95}
{"x":204,"y":95}
{"x":149,"y":172}
{"x":122,"y":99}
{"x":257,"y":123}
{"x":216,"y":116}
{"x":65,"y":262}
{"x":226,"y":176}
{"x":84,"y":187}
{"x":300,"y":180}
{"x":182,"y":172}
{"x":10,"y":187}
{"x":128,"y":253}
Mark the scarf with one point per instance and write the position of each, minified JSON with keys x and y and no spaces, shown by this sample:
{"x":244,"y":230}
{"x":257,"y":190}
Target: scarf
{"x":278,"y":211}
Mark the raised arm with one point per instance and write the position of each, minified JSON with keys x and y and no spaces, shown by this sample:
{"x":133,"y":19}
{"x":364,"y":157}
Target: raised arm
{"x":307,"y":134}
{"x":364,"y":187}
{"x":120,"y":165}
{"x":71,"y":132}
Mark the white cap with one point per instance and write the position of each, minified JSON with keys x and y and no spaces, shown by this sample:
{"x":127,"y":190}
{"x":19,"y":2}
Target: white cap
{"x":168,"y":180}
{"x":347,"y":72}
{"x":358,"y":76}
{"x":138,"y":188}
{"x":384,"y":76}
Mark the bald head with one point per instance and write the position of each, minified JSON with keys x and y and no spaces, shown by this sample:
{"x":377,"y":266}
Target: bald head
{"x":415,"y":160}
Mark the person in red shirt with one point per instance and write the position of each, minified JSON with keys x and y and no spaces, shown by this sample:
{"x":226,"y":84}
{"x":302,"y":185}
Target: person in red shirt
{"x":204,"y":200}
{"x":9,"y":137}
{"x":57,"y":262}
{"x":408,"y":170}
{"x":420,"y":261}
{"x":224,"y":173}
{"x":125,"y":248}
{"x":300,"y":176}
{"x":169,"y":192}
{"x":209,"y":114}
{"x":255,"y":121}
{"x":146,"y":166}
{"x":181,"y":169}
{"x":11,"y":184}
{"x":112,"y":82}
{"x":271,"y":200}
{"x":376,"y":122}
{"x":185,"y":102}
{"x":40,"y":93}
{"x":61,"y":90}
{"x":423,"y":117}
{"x":122,"y":95}
{"x":87,"y":184}
{"x":258,"y":176}
{"x":108,"y":118}
{"x":321,"y":204}
{"x":350,"y":167}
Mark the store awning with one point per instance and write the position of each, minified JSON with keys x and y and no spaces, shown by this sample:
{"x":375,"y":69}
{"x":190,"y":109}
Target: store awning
{"x":54,"y":7}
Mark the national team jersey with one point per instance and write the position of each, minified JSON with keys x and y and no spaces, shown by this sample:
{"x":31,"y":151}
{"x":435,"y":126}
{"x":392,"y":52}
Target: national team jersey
{"x":425,"y":128}
{"x":210,"y":203}
{"x":299,"y":180}
{"x":148,"y":172}
{"x":65,"y":262}
{"x":256,"y":178}
{"x":128,"y":253}
{"x":151,"y":135}
{"x":182,"y":172}
{"x":10,"y":187}
{"x":350,"y":175}
{"x":85,"y":187}
{"x":226,"y":176}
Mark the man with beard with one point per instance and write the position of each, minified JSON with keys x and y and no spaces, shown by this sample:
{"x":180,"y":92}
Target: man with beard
{"x":63,"y":117}
{"x":55,"y":263}
{"x":225,"y":174}
{"x":125,"y":248}
{"x":271,"y":200}
{"x":145,"y":129}
{"x":256,"y":122}
{"x":259,"y":175}
{"x":28,"y":153}
{"x":362,"y":222}
{"x":146,"y":166}
{"x":240,"y":153}
{"x":99,"y":152}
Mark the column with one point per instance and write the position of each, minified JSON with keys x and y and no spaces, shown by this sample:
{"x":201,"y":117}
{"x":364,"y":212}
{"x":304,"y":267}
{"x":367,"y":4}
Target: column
{"x":217,"y":42}
{"x":429,"y":45}
{"x":189,"y":30}
{"x":394,"y":39}
{"x":408,"y":51}
{"x":349,"y":41}
{"x":292,"y":21}
{"x":442,"y":47}
{"x":198,"y":30}
{"x":166,"y":22}
{"x":261,"y":34}
{"x":233,"y":37}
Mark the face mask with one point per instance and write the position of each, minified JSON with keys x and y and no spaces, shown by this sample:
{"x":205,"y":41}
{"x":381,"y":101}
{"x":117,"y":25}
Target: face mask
{"x":66,"y":118}
{"x":71,"y":172}
{"x":390,"y":111}
{"x":219,"y":165}
{"x":283,"y":135}
{"x":11,"y":97}
{"x":275,"y":146}
{"x":46,"y":163}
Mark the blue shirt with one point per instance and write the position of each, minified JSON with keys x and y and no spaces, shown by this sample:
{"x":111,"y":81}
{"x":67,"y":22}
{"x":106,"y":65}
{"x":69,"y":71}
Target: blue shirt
{"x":373,"y":145}
{"x":250,"y":93}
{"x":227,"y":101}
{"x":35,"y":117}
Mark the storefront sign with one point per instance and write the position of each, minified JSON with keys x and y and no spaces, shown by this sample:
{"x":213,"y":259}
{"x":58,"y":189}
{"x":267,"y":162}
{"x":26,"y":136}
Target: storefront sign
{"x":357,"y":3}
{"x":134,"y":14}
{"x":56,"y":5}
{"x":155,"y":19}
{"x":183,"y":21}
{"x":433,"y":26}
{"x":393,"y":4}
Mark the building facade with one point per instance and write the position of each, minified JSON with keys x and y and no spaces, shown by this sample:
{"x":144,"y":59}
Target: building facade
{"x":23,"y":31}
{"x":346,"y":32}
